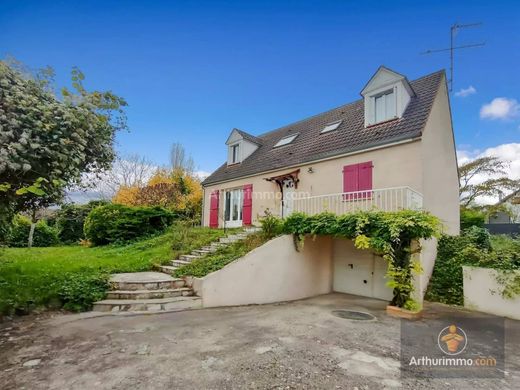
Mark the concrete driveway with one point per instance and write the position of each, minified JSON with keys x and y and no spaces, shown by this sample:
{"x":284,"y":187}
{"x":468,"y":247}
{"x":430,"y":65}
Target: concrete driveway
{"x":292,"y":345}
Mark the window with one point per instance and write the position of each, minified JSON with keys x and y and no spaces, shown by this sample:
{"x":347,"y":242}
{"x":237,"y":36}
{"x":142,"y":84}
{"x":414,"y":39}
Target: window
{"x":286,"y":140}
{"x":331,"y":126}
{"x":385,"y":106}
{"x":234,"y":153}
{"x":233,"y":208}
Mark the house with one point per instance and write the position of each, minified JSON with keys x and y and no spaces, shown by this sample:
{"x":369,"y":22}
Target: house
{"x":394,"y":146}
{"x":509,"y":210}
{"x":392,"y":149}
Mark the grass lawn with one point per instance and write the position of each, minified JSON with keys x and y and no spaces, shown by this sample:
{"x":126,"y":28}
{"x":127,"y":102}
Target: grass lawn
{"x":75,"y":276}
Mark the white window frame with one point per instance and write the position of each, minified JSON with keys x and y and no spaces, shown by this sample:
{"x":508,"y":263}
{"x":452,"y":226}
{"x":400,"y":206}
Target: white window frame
{"x":235,"y":147}
{"x":288,"y":139}
{"x":331,"y":126}
{"x":236,"y":198}
{"x":384,"y":95}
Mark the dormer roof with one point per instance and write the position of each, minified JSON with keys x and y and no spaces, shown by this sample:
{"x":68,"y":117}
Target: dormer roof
{"x":237,"y":133}
{"x":386,"y":77}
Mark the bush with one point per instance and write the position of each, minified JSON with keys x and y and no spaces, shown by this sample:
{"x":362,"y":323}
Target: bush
{"x":471,"y":217}
{"x":78,"y":291}
{"x":116,"y":223}
{"x":474,"y":247}
{"x":271,"y":225}
{"x":44,"y":235}
{"x":70,"y":220}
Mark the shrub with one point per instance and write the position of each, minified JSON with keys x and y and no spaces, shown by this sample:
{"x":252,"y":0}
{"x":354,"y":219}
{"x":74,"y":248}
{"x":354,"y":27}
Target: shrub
{"x":78,"y":291}
{"x":271,"y":224}
{"x":474,"y":247}
{"x":70,"y":220}
{"x":471,"y":217}
{"x":44,"y":235}
{"x":116,"y":223}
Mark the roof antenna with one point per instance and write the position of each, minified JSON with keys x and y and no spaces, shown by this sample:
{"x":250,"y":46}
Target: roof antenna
{"x":453,"y":33}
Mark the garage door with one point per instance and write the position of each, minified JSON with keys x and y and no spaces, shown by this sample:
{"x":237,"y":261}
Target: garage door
{"x":359,"y":272}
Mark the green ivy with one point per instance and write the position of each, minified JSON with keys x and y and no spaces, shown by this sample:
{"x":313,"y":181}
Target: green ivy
{"x":388,"y":234}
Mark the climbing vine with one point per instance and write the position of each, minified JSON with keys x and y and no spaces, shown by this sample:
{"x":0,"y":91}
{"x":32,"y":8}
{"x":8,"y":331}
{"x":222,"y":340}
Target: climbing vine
{"x":392,"y":235}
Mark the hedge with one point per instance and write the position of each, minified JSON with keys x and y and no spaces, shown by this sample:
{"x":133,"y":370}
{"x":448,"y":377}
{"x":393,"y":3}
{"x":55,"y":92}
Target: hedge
{"x":116,"y":223}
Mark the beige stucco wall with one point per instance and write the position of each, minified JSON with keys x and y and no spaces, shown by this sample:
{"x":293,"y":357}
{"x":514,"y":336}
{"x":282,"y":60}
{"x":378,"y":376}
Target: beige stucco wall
{"x":483,"y":293}
{"x":440,"y":181}
{"x":273,"y":272}
{"x":394,"y":166}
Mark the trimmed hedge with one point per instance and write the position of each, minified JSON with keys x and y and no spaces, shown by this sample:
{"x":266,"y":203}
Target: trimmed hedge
{"x":116,"y":223}
{"x":44,"y":235}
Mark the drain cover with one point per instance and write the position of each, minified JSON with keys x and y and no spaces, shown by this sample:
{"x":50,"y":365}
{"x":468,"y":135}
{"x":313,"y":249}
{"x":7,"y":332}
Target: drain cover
{"x":353,"y":315}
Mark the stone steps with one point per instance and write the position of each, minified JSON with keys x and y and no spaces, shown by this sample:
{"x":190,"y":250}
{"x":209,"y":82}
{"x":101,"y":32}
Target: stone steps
{"x":149,"y":294}
{"x":148,"y":305}
{"x":144,"y":281}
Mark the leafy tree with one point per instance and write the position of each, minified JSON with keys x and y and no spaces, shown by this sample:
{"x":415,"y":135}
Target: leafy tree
{"x":496,"y":182}
{"x":48,"y":140}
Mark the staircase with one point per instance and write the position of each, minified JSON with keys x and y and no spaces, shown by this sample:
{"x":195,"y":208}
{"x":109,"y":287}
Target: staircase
{"x":160,"y":291}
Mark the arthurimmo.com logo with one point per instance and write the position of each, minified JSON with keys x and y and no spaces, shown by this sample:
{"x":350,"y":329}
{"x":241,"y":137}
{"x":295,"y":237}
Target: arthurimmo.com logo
{"x":462,"y":347}
{"x":452,"y":340}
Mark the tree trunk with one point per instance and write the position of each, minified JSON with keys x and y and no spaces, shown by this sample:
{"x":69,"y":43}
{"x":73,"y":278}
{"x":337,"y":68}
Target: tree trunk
{"x":31,"y":231}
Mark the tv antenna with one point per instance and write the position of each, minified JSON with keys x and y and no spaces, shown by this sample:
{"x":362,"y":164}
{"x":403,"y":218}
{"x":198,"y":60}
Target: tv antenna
{"x":453,"y":32}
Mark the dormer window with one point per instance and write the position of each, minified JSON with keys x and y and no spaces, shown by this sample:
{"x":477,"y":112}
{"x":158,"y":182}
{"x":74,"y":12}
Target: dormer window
{"x":386,"y":96}
{"x":235,"y":156}
{"x":385,"y":106}
{"x":286,"y":140}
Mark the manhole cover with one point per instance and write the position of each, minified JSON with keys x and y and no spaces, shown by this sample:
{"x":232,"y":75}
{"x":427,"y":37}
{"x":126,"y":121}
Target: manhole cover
{"x":353,"y":315}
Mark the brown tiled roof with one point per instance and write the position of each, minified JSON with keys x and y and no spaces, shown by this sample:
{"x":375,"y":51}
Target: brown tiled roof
{"x":350,"y":136}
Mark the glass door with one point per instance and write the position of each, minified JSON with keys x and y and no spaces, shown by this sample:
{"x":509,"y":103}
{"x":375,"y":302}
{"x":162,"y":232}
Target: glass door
{"x":233,"y":208}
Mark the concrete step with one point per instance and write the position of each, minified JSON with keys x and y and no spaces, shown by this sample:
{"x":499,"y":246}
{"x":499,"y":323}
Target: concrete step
{"x":217,"y":245}
{"x":149,"y":294}
{"x":228,"y":240}
{"x":188,"y":257}
{"x":168,"y":269}
{"x":209,"y":248}
{"x":144,"y":281}
{"x":201,"y":252}
{"x":148,"y":305}
{"x":179,"y":263}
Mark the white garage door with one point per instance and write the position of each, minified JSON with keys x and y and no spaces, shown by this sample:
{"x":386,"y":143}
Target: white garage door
{"x":359,"y":272}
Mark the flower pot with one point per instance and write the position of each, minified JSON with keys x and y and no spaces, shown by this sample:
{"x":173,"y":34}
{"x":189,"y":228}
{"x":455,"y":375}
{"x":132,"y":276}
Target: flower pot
{"x":399,"y":312}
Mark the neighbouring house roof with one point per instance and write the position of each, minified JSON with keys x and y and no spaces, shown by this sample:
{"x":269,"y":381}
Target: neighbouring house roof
{"x":512,"y":196}
{"x":350,"y":136}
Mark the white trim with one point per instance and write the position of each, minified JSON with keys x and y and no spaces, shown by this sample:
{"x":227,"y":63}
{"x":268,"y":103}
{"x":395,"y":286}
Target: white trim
{"x":405,"y":141}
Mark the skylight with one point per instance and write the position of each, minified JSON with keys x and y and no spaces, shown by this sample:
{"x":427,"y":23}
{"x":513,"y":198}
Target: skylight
{"x":286,"y":140}
{"x":330,"y":127}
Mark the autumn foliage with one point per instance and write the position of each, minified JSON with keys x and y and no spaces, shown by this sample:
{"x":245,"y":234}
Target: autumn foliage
{"x":176,"y":190}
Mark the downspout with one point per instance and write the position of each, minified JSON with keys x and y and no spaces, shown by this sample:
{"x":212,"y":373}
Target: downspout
{"x":203,"y":208}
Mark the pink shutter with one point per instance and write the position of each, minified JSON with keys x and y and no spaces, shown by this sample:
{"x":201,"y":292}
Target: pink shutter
{"x":350,"y":180}
{"x":213,"y":209}
{"x":247,"y":207}
{"x":365,"y":179}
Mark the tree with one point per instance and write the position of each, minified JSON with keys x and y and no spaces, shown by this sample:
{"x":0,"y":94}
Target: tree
{"x":180,"y":160}
{"x":484,"y":176}
{"x":49,"y":140}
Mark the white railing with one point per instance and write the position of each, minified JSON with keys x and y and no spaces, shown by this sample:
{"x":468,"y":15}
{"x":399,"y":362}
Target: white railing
{"x":385,"y":199}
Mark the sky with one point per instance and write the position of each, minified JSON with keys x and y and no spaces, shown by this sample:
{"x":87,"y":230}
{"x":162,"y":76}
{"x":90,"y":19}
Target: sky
{"x":192,"y":71}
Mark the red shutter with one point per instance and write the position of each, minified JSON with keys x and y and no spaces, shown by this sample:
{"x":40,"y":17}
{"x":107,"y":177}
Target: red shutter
{"x":213,"y":209}
{"x":365,"y":179}
{"x":247,"y":207}
{"x":357,"y":177}
{"x":350,"y":180}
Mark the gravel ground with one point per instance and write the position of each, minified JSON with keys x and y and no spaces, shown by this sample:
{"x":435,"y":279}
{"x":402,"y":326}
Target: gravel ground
{"x":292,"y":345}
